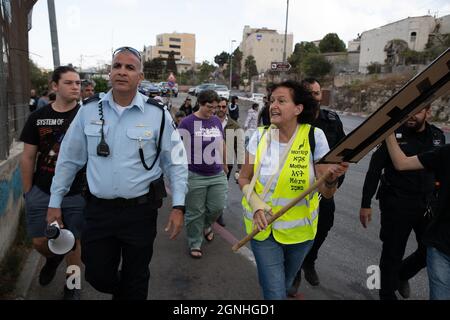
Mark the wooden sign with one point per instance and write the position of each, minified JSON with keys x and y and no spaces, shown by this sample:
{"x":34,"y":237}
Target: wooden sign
{"x":424,"y":88}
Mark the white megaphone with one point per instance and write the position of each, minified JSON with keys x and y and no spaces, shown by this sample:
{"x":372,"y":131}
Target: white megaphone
{"x":61,"y":241}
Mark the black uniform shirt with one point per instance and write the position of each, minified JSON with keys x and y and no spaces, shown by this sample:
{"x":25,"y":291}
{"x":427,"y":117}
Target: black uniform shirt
{"x":410,"y":187}
{"x":332,"y":126}
{"x":438,"y":233}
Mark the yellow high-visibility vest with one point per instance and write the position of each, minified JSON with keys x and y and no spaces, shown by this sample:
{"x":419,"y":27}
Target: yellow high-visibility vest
{"x":299,"y":224}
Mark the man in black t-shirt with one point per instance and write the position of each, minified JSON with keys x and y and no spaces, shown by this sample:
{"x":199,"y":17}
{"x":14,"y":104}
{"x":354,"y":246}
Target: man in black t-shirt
{"x":42,"y":137}
{"x":437,"y":235}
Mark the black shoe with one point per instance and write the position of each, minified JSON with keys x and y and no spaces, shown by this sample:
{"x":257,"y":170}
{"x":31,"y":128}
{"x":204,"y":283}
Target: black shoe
{"x":220,"y":221}
{"x":74,"y":294}
{"x":48,"y":271}
{"x":292,"y":292}
{"x":311,"y":275}
{"x":404,"y":289}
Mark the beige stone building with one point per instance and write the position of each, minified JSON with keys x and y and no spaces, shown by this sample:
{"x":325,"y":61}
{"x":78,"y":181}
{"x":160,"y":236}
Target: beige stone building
{"x":183,"y":44}
{"x":266,"y":45}
{"x":414,"y":32}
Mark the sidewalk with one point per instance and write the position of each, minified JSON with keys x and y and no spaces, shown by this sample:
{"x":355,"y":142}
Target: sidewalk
{"x":220,"y":275}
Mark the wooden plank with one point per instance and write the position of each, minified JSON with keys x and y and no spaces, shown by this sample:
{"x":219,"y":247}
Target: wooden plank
{"x":424,"y":88}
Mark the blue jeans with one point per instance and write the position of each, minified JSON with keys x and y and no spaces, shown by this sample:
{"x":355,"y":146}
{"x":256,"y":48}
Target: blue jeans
{"x":438,"y":266}
{"x":277,"y":265}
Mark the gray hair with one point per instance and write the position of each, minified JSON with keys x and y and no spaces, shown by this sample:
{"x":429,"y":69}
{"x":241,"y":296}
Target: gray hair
{"x":87,"y":82}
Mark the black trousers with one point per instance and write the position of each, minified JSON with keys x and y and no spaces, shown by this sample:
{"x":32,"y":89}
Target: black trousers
{"x":326,"y":220}
{"x":118,"y":234}
{"x":396,"y":226}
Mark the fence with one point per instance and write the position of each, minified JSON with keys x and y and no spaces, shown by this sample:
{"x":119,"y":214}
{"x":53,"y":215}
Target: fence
{"x":15,"y":17}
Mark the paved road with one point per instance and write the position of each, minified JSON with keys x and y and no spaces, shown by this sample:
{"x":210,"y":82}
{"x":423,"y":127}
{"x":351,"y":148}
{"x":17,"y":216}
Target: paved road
{"x":349,"y":249}
{"x":343,"y":260}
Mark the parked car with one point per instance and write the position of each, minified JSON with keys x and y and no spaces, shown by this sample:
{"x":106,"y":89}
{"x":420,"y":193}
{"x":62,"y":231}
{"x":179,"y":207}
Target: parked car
{"x":165,"y":88}
{"x":191,"y":91}
{"x":204,"y":86}
{"x":222,"y":91}
{"x":257,"y":97}
{"x":149,"y":89}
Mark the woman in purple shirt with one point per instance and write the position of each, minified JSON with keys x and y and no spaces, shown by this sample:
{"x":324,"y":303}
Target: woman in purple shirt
{"x":203,"y":139}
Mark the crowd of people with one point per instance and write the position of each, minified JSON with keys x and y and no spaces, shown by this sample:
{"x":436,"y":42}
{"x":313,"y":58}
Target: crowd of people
{"x":98,"y":165}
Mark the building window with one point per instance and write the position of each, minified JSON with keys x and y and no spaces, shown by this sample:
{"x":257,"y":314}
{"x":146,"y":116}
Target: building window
{"x":413,"y":36}
{"x":175,"y":39}
{"x":167,"y":52}
{"x":173,"y":46}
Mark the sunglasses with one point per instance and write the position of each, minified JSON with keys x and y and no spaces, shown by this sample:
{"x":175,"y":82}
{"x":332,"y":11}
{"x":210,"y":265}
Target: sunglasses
{"x":129,"y":49}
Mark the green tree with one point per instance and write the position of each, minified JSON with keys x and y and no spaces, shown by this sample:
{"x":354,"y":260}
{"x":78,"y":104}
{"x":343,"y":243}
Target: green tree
{"x":332,"y":43}
{"x":101,"y":85}
{"x":205,"y":71}
{"x":171,"y":64}
{"x":374,"y":68}
{"x":301,"y":51}
{"x":250,"y":67}
{"x":153,"y":69}
{"x":222,"y":59}
{"x":237,"y":61}
{"x":39,"y":79}
{"x":315,"y":65}
{"x":187,"y":78}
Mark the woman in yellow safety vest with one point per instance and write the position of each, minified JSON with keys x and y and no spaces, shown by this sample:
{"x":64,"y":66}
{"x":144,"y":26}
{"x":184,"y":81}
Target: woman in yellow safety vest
{"x":279,"y":167}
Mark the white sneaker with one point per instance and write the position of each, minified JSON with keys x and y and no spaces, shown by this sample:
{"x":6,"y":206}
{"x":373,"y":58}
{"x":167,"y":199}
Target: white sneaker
{"x":236,"y":175}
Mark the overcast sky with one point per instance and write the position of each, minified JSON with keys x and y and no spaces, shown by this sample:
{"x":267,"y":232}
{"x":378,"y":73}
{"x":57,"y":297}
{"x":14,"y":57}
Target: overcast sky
{"x":89,"y":29}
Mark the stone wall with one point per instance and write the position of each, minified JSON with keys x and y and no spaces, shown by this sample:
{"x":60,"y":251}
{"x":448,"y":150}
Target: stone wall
{"x":368,"y":97}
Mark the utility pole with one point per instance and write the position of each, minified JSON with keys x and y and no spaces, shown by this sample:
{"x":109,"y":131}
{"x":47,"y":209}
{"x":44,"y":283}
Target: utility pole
{"x":285,"y":32}
{"x":231,"y":65}
{"x":53,"y":32}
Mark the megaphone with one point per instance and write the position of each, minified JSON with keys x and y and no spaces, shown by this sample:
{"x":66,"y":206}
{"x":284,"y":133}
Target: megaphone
{"x":61,"y":241}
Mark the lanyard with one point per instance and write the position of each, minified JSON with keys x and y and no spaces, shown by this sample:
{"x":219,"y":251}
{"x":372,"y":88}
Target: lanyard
{"x":280,"y":166}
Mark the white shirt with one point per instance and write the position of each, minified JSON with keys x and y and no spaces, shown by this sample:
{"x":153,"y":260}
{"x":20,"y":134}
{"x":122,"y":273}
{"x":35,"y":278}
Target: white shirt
{"x":271,"y":162}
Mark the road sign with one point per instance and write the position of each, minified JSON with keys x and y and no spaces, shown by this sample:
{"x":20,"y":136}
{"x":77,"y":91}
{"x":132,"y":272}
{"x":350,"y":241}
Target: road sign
{"x":171,"y":84}
{"x":280,"y":66}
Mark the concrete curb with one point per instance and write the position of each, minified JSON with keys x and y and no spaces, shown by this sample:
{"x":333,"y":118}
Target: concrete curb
{"x":444,"y":126}
{"x":27,"y":275}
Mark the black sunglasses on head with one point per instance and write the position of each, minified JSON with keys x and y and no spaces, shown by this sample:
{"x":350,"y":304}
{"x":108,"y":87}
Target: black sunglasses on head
{"x":129,"y":49}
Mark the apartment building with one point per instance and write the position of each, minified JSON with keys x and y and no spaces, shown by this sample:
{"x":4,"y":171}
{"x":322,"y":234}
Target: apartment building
{"x":182,"y":44}
{"x":266,"y":45}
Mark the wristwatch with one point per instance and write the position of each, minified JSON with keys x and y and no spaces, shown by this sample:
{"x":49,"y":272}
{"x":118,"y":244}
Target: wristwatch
{"x":182,"y":208}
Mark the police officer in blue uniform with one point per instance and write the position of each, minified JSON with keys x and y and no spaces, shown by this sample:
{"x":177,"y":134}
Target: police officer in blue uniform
{"x":331,"y":124}
{"x":405,"y":197}
{"x":128,"y":141}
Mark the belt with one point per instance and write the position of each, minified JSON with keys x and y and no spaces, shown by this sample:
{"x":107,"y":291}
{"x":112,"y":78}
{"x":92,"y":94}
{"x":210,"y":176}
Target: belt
{"x":122,"y":202}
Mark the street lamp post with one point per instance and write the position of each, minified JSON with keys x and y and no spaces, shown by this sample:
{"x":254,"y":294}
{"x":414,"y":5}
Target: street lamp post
{"x":231,"y":64}
{"x":285,"y":31}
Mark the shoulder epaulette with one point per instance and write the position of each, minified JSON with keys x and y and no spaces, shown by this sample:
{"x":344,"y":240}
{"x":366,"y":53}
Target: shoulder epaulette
{"x":437,"y":129}
{"x":332,"y":115}
{"x":95,"y":98}
{"x":157,"y":103}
